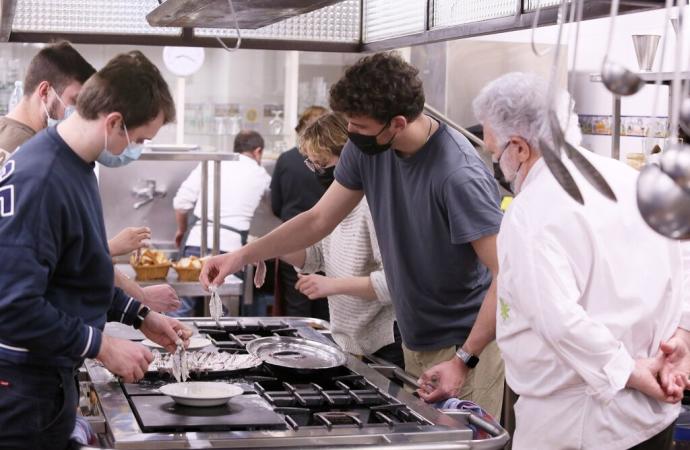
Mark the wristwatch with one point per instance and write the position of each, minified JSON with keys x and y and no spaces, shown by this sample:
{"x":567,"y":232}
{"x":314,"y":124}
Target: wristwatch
{"x":141,"y":315}
{"x":469,"y":359}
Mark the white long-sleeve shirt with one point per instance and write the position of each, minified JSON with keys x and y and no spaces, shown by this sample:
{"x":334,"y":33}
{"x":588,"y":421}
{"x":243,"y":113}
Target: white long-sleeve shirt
{"x":243,"y":183}
{"x":358,"y":325}
{"x":583,"y":291}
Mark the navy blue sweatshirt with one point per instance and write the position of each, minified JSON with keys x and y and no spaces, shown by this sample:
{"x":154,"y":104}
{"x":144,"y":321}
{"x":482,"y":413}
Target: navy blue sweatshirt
{"x":56,"y":274}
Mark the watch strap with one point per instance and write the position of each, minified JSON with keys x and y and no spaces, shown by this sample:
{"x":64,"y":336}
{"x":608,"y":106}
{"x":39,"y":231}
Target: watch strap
{"x":467,"y":358}
{"x":141,"y":316}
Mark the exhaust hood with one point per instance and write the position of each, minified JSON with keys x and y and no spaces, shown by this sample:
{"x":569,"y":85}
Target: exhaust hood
{"x":251,"y":14}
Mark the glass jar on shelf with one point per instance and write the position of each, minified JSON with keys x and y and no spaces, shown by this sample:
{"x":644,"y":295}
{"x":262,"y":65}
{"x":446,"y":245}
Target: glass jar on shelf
{"x":275,"y":125}
{"x":234,"y":124}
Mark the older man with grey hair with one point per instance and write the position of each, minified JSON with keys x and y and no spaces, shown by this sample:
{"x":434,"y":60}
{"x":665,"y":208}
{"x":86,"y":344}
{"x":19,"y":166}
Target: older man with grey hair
{"x":591,"y":314}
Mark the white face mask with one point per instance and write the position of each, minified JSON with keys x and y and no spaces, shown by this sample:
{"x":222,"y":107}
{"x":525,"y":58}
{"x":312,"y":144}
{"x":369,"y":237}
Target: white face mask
{"x":131,"y":153}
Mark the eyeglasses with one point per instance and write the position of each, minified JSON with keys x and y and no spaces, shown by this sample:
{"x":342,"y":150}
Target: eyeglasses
{"x":314,"y":167}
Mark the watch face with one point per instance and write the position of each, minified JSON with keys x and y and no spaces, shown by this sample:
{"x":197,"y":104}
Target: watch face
{"x":472,"y":362}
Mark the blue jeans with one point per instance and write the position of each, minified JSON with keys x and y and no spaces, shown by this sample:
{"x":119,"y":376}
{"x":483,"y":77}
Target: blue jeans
{"x":38,"y":407}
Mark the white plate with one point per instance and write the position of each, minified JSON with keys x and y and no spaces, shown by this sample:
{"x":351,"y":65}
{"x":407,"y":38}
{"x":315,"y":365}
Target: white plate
{"x":171,"y":147}
{"x":194,"y":343}
{"x":201,"y":393}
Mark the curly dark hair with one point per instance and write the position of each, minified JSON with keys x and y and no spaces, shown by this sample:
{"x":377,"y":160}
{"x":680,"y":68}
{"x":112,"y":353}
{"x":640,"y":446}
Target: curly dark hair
{"x":379,"y":86}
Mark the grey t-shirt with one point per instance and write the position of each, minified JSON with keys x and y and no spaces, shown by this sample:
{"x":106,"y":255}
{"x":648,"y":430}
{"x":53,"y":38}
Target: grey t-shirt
{"x":427,"y":209}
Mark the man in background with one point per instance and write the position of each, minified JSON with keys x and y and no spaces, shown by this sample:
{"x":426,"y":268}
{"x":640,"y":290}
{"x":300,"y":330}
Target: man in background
{"x":244,"y":183}
{"x":53,"y":81}
{"x":294,"y":189}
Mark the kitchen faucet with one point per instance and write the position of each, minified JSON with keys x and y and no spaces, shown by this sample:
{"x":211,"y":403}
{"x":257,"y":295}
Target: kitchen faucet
{"x":147,"y":193}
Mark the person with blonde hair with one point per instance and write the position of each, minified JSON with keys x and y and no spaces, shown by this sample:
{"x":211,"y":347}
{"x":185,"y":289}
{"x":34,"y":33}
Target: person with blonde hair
{"x":361,"y":313}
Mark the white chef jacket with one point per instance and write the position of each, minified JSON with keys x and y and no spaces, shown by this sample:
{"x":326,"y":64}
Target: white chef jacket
{"x":243,"y":184}
{"x":583,"y":290}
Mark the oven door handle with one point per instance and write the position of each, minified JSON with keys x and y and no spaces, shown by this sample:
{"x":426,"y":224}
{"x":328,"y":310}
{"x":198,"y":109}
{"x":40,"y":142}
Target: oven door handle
{"x":475,"y":420}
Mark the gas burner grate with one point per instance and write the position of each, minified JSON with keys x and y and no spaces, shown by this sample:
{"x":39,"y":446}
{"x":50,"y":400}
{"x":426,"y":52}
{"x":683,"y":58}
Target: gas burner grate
{"x":234,"y":335}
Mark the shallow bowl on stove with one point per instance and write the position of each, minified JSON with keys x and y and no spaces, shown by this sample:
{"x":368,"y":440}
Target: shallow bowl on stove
{"x":201,"y":393}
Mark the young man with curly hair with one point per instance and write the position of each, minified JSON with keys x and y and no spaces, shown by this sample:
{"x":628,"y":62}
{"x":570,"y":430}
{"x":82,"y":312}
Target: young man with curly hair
{"x":435,"y":208}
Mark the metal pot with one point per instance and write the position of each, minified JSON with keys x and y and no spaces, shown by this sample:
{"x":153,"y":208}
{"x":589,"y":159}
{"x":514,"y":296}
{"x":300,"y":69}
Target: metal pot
{"x":296,"y":354}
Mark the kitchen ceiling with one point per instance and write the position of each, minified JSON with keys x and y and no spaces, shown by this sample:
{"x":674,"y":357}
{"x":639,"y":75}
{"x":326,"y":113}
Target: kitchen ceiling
{"x":323,"y":25}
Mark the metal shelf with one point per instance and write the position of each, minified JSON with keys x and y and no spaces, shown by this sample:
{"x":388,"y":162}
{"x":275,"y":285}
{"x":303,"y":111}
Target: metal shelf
{"x":191,"y":155}
{"x":650,"y":77}
{"x":666,"y":78}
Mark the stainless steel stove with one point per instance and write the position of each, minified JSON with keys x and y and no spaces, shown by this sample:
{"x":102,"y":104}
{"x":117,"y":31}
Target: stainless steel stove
{"x":351,"y":406}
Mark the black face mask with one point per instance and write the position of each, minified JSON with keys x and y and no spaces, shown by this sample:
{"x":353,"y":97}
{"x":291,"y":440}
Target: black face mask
{"x":326,"y":176}
{"x":367,"y":144}
{"x":498,"y":174}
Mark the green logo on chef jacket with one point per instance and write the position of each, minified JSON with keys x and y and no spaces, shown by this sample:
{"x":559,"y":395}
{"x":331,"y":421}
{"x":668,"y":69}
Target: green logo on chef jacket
{"x":505,"y":309}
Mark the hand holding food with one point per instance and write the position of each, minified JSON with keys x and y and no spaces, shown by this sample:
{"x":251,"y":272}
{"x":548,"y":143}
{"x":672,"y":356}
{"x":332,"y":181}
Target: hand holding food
{"x":129,"y":240}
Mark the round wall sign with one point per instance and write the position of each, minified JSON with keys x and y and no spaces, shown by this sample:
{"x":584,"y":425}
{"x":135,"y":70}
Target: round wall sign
{"x":183,"y":61}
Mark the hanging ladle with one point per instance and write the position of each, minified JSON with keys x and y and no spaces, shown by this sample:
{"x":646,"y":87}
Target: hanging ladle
{"x":663,"y":204}
{"x":581,"y":163}
{"x":616,"y":78}
{"x":551,"y":155}
{"x":663,"y":191}
{"x":675,"y":160}
{"x":551,"y":151}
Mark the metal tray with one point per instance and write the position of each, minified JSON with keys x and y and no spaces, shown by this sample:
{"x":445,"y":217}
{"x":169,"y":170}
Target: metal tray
{"x":296,"y":353}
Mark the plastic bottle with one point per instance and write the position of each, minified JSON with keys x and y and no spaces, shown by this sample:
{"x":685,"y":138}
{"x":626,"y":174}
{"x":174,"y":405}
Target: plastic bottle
{"x":16,"y":95}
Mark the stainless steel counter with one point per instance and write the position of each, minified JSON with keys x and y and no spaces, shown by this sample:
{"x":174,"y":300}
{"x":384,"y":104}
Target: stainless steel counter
{"x":232,"y":287}
{"x":449,"y":430}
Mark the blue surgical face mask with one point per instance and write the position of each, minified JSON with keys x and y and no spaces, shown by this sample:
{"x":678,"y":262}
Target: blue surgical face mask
{"x":69,"y":110}
{"x":129,"y":154}
{"x":49,"y":120}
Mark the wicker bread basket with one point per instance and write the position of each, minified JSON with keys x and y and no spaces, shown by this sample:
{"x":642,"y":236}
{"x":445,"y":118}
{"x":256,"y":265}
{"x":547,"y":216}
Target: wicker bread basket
{"x":187,"y":273}
{"x":154,"y":272}
{"x":150,"y":265}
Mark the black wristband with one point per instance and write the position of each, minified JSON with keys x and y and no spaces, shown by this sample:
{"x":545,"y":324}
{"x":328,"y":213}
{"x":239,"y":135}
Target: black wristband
{"x":141,"y":315}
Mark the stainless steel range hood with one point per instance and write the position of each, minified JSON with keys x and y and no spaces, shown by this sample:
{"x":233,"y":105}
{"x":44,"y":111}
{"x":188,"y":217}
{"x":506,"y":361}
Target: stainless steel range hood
{"x":7,"y":10}
{"x":251,"y":14}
